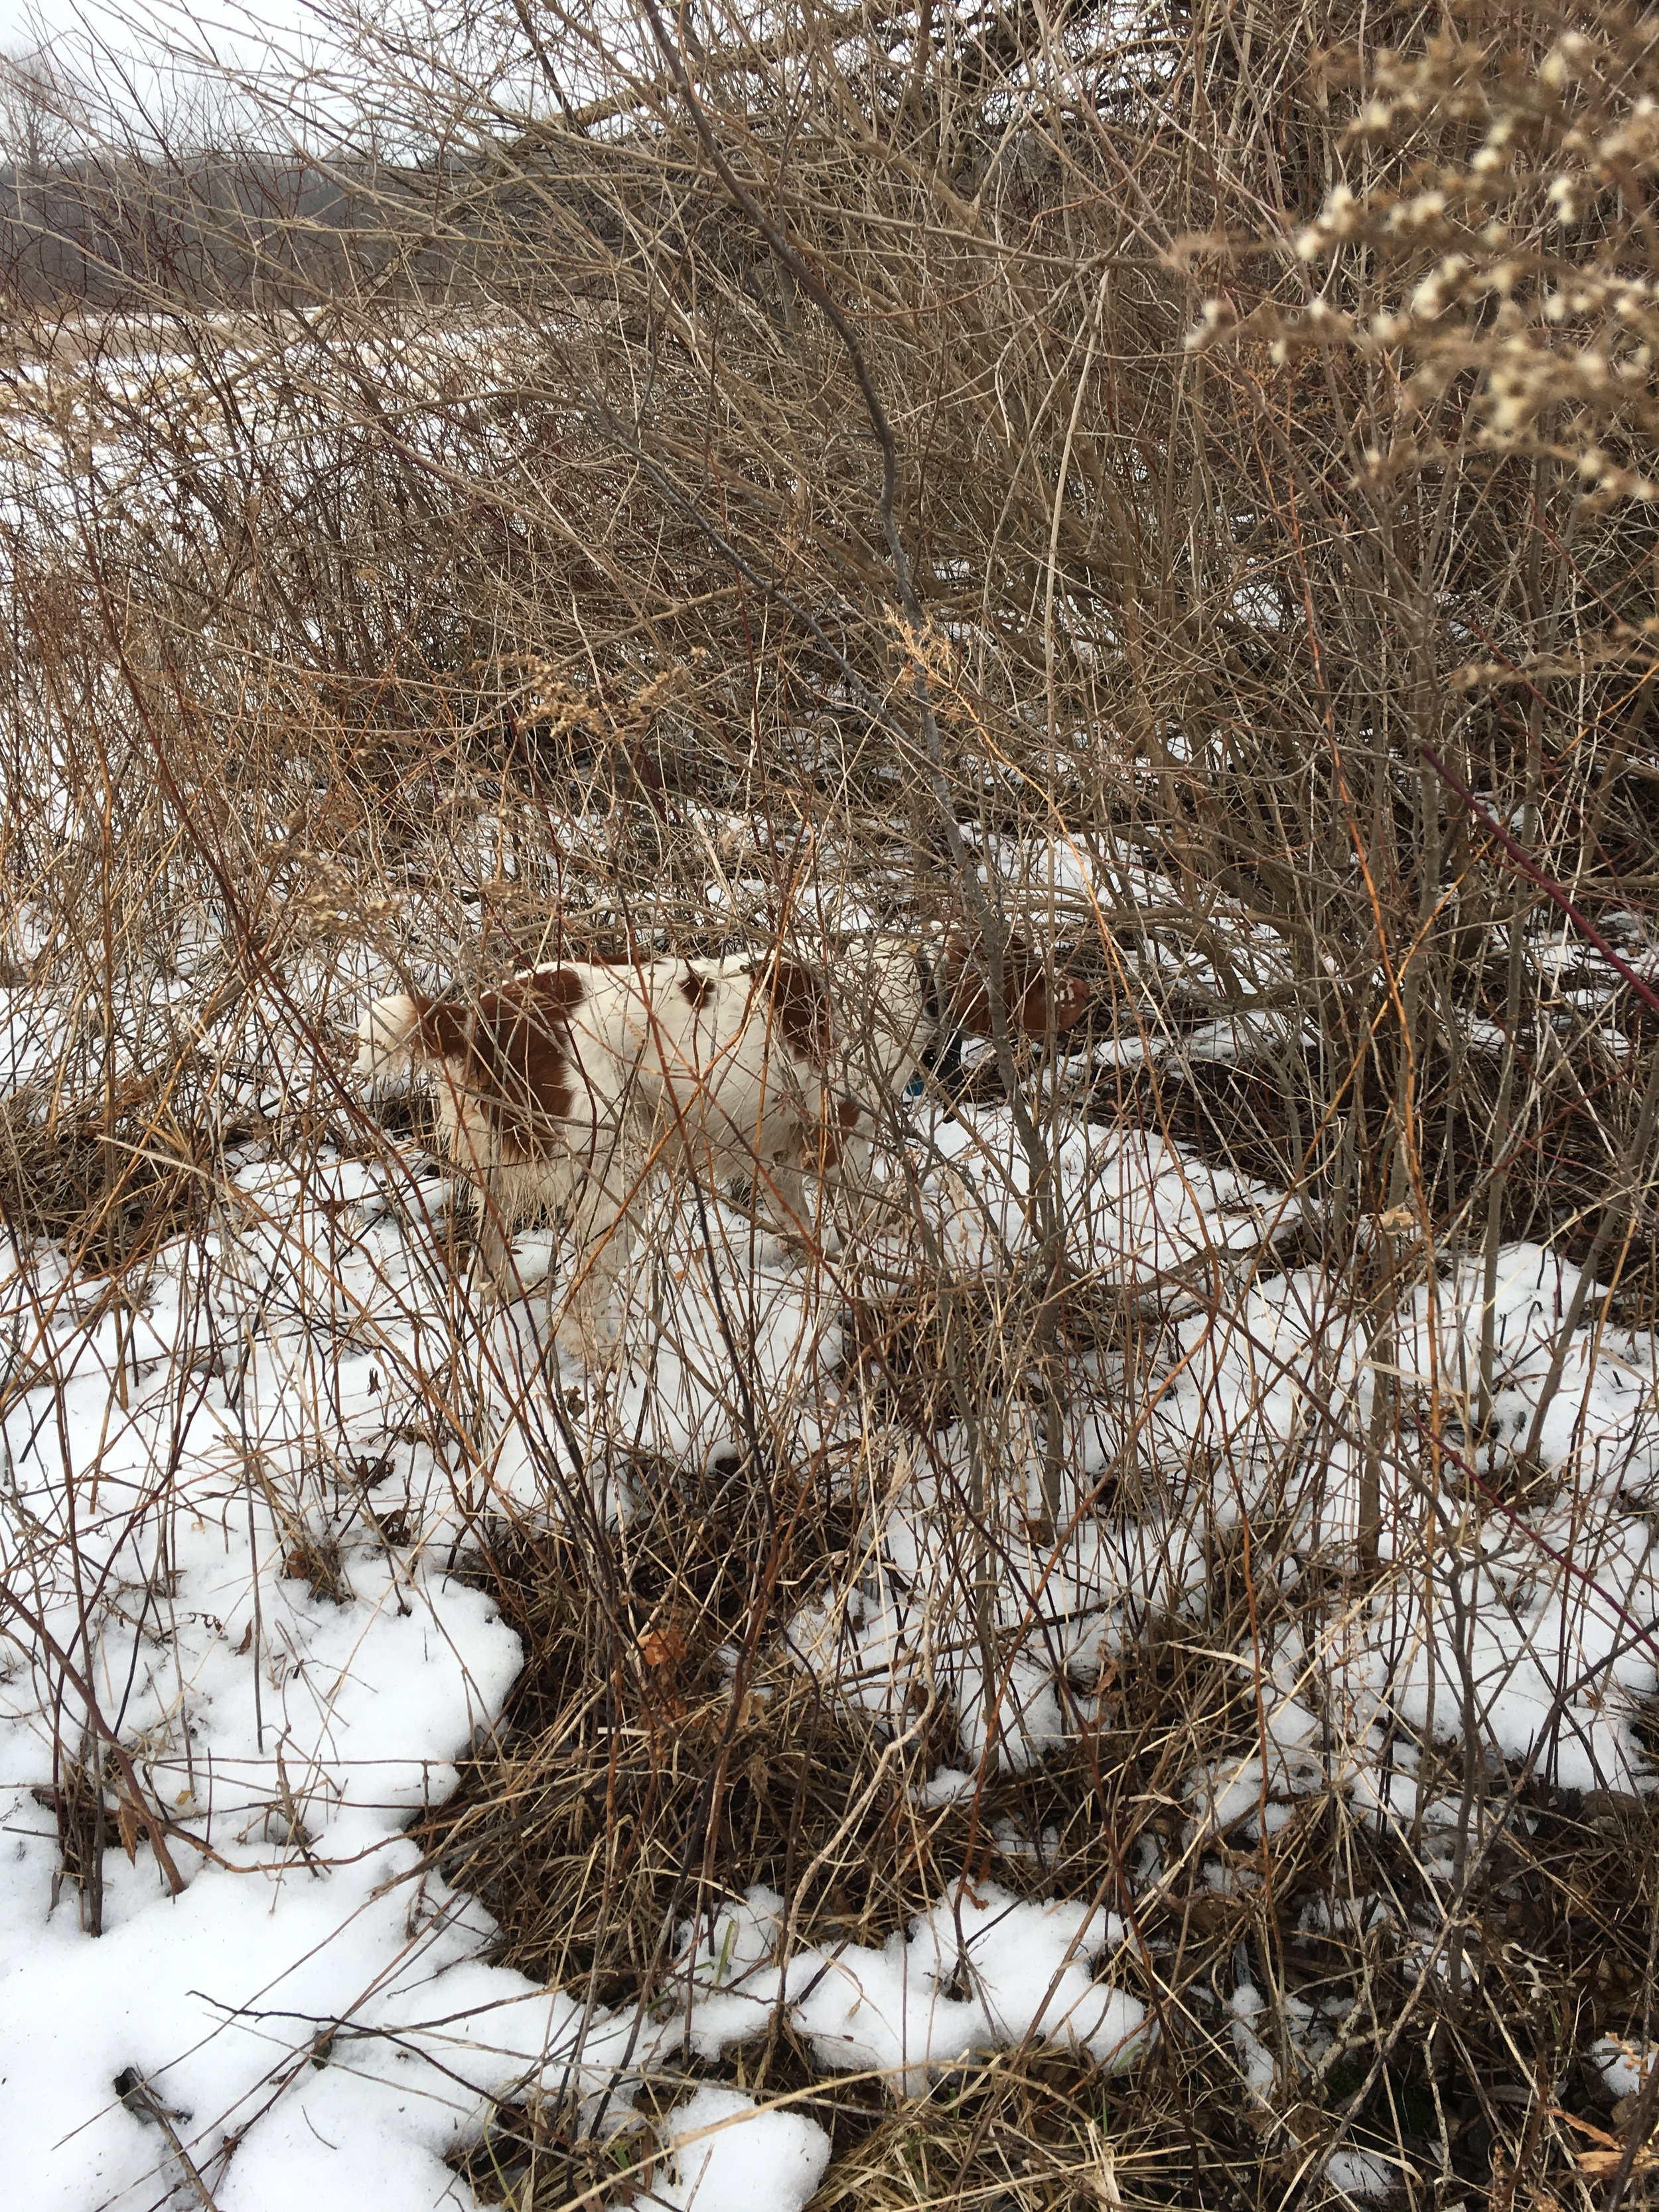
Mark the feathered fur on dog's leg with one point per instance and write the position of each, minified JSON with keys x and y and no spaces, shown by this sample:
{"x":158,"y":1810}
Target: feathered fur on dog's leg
{"x":497,"y":1279}
{"x":600,"y":1232}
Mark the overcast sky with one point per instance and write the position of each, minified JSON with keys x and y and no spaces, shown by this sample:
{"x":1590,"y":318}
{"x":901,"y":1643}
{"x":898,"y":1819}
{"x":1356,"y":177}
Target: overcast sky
{"x":231,"y":31}
{"x":121,"y":49}
{"x":136,"y":38}
{"x":456,"y":50}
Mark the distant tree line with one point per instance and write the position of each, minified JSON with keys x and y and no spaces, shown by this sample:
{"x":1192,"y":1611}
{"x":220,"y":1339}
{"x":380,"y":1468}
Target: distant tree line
{"x":238,"y":229}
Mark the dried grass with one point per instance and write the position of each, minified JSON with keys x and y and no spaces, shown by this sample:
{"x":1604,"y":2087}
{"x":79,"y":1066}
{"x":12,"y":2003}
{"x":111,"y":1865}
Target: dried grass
{"x":534,"y":592}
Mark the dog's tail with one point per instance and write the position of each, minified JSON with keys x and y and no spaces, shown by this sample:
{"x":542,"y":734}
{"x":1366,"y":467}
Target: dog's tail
{"x":387,"y":1032}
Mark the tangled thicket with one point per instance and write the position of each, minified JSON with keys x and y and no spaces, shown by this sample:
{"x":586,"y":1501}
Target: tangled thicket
{"x":1177,"y":484}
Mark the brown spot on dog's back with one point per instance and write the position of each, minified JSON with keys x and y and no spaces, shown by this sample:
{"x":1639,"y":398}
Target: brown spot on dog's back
{"x":696,"y":990}
{"x":509,"y":1052}
{"x":443,"y":1028}
{"x":1041,"y":1006}
{"x":556,"y":990}
{"x":530,"y":1041}
{"x":802,"y":1007}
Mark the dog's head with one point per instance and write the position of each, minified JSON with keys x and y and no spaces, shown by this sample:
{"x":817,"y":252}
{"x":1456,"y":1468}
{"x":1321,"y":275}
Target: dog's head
{"x":1037,"y":1002}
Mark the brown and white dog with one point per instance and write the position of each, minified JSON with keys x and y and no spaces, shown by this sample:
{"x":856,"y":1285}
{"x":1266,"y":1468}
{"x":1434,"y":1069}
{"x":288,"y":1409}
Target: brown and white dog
{"x":567,"y":1086}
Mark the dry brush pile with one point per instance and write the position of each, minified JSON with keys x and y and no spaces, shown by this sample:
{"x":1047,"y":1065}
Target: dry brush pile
{"x":1174,"y":486}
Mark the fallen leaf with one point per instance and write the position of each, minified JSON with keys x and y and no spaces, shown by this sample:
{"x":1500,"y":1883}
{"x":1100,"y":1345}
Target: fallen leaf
{"x":1608,"y":2161}
{"x":131,"y":1824}
{"x":663,"y":1646}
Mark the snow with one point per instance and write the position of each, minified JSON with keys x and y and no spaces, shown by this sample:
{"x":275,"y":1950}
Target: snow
{"x":1624,"y":2065}
{"x":1023,"y":1967}
{"x":1129,"y":1205}
{"x":946,"y":1785}
{"x":1247,"y":2005}
{"x":1533,"y":1625}
{"x":1251,"y":1034}
{"x":728,"y":2152}
{"x":223,"y":2000}
{"x":201,"y":1469}
{"x":1363,"y":2173}
{"x":287,"y":1731}
{"x":231,"y":1516}
{"x":1202,"y":980}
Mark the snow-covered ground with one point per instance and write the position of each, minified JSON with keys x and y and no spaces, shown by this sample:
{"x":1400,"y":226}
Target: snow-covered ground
{"x":232,"y":1496}
{"x":237,"y":1488}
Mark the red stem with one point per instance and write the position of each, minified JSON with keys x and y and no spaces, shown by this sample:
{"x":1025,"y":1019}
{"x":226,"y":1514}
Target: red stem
{"x":1551,"y":890}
